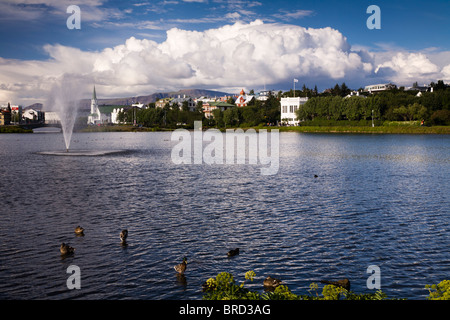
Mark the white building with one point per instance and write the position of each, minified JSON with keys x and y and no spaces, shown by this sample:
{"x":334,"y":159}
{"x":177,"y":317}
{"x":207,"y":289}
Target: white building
{"x":379,"y":87}
{"x":264,"y":95}
{"x":289,"y":106}
{"x":115,"y":115}
{"x":96,"y":117}
{"x":52,"y":117}
{"x":31,"y":115}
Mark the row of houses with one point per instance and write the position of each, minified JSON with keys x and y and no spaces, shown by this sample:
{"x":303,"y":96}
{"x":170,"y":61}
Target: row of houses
{"x":110,"y":114}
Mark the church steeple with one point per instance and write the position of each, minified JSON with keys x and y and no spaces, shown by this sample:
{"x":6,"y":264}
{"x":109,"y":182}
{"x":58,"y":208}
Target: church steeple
{"x":94,"y":95}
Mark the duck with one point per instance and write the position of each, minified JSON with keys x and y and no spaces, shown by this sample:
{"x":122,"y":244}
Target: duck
{"x":123,"y":235}
{"x":316,"y":176}
{"x":79,"y":231}
{"x":181,"y":268}
{"x":344,"y":283}
{"x":65,"y":249}
{"x":270,"y":282}
{"x":233,"y":252}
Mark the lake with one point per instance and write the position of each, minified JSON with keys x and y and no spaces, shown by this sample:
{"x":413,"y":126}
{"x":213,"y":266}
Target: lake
{"x":377,"y":200}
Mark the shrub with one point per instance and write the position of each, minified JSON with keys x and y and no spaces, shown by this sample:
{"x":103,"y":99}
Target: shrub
{"x":440,"y":118}
{"x":441,"y":291}
{"x":224,"y":287}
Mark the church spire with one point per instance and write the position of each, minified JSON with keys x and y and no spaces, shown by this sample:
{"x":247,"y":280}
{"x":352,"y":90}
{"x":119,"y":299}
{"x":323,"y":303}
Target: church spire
{"x":94,"y":95}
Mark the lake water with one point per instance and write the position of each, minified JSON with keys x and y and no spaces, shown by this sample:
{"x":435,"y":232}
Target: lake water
{"x":378,"y":200}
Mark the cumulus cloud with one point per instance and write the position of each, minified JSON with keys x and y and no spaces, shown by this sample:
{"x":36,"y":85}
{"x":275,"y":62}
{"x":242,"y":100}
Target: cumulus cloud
{"x":230,"y":56}
{"x":240,"y":55}
{"x":406,"y":68}
{"x":446,"y":73}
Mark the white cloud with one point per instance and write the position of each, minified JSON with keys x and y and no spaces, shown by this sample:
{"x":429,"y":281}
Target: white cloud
{"x":446,"y":73}
{"x":30,"y":10}
{"x":291,"y":15}
{"x":238,"y":55}
{"x":405,"y":68}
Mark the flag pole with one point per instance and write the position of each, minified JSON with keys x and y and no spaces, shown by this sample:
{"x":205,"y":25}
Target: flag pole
{"x":294,"y":88}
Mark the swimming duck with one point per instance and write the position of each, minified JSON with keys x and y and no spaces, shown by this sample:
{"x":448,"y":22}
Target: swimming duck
{"x":79,"y":230}
{"x":181,"y":268}
{"x":65,"y":249}
{"x":233,"y":252}
{"x":270,"y":282}
{"x":344,"y":283}
{"x":123,"y":235}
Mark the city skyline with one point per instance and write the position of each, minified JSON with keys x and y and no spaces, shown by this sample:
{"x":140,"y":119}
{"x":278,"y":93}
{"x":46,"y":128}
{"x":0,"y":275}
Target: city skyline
{"x":141,"y":47}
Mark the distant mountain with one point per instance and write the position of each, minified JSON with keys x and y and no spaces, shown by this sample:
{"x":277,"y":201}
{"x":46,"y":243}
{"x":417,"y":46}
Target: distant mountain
{"x":193,"y":93}
{"x":35,"y":106}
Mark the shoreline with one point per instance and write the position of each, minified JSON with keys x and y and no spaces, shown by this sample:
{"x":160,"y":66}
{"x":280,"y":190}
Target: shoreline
{"x":372,"y":130}
{"x":301,"y":129}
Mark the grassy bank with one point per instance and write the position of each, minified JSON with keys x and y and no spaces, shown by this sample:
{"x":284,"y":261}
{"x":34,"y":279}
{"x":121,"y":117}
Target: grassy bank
{"x":390,"y":128}
{"x":382,"y":129}
{"x":14,"y":129}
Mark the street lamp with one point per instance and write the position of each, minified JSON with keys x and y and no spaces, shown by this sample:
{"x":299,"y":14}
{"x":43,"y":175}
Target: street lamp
{"x":373,"y":125}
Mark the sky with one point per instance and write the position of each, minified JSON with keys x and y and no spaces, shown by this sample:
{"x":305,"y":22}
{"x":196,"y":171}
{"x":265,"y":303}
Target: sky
{"x":138,"y":47}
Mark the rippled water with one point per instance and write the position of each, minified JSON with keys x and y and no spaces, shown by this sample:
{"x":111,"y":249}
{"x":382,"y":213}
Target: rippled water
{"x":378,"y":200}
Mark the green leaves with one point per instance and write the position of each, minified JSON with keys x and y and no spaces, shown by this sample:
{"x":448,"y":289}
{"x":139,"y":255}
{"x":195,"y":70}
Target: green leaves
{"x":441,"y":291}
{"x":224,"y":287}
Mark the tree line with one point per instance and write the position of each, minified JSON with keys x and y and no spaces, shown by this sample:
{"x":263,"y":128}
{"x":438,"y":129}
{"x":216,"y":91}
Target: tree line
{"x":393,"y":105}
{"x":331,"y":105}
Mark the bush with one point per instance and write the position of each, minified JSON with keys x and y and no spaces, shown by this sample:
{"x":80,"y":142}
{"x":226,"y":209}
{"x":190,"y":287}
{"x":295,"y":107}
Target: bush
{"x":441,"y":291}
{"x":224,"y":287}
{"x":440,"y":118}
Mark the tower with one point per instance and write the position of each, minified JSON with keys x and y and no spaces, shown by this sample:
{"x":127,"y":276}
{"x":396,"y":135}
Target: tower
{"x":95,"y":116}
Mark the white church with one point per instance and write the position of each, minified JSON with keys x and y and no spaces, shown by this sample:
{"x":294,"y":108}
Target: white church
{"x":96,"y":117}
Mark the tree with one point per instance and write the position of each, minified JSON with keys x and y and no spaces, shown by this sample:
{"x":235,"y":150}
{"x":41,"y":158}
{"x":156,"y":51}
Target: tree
{"x":440,"y":85}
{"x":231,"y":117}
{"x":344,"y":90}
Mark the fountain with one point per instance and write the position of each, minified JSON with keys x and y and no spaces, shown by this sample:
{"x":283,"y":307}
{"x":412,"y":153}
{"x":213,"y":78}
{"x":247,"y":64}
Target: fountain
{"x":64,"y":99}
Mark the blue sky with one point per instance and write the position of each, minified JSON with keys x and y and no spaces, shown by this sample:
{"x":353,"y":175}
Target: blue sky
{"x":412,"y":44}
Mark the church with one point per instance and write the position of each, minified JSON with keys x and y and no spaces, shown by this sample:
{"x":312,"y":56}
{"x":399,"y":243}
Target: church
{"x":96,"y":117}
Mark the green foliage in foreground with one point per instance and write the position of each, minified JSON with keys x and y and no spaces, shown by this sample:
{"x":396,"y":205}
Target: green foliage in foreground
{"x":224,"y":287}
{"x":440,"y":291}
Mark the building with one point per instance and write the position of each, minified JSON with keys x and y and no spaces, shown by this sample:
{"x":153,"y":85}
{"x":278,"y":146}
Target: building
{"x":16,"y":114}
{"x":161,"y":103}
{"x":191,"y":104}
{"x":209,"y":107}
{"x":52,"y":117}
{"x":354,"y":94}
{"x":289,"y":106}
{"x":379,"y":87}
{"x":11,"y":114}
{"x":184,"y":101}
{"x":243,"y":99}
{"x":115,"y":114}
{"x":96,"y":116}
{"x":264,"y":95}
{"x":33,"y":116}
{"x":5,"y":117}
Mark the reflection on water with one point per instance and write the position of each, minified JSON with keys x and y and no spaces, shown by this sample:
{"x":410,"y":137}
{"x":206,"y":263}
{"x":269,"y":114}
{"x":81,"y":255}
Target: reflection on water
{"x":377,"y":199}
